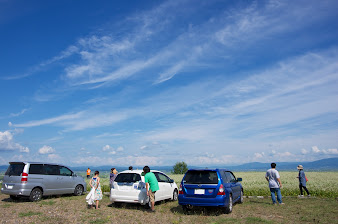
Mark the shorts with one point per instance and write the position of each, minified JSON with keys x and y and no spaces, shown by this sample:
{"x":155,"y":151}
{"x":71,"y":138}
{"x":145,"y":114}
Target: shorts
{"x":152,"y":196}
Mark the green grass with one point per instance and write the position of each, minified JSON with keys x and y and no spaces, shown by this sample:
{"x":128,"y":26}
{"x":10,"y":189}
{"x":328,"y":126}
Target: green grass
{"x":29,"y":213}
{"x":46,"y":202}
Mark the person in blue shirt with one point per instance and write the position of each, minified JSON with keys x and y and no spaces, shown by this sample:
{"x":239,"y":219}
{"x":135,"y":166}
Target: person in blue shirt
{"x":302,"y":181}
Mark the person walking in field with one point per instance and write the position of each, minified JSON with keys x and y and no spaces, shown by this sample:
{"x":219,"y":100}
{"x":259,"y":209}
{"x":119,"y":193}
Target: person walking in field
{"x":302,"y":181}
{"x":95,"y":194}
{"x":151,"y":186}
{"x":88,"y":173}
{"x":275,"y":184}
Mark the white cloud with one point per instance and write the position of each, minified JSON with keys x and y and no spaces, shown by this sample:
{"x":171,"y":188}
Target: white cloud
{"x":330,"y":151}
{"x":143,"y":147}
{"x":106,"y":147}
{"x":111,"y":150}
{"x":46,"y":150}
{"x":315,"y":149}
{"x":258,"y":155}
{"x":7,"y":143}
{"x":54,"y":157}
{"x":304,"y":151}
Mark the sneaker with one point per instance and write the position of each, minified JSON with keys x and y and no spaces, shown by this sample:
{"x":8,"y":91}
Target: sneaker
{"x":282,"y":203}
{"x":300,"y":196}
{"x":309,"y":195}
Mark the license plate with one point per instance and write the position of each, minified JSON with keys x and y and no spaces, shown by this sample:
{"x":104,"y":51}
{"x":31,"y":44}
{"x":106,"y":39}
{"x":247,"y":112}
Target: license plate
{"x":199,"y":191}
{"x":9,"y":186}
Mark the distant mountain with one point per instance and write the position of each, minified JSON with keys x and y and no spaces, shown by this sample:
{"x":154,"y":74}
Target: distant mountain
{"x":330,"y":164}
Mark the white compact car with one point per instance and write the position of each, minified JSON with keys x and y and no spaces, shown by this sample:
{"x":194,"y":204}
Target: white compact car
{"x":129,"y":187}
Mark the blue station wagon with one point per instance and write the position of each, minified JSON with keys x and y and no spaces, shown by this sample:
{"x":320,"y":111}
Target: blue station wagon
{"x":210,"y":187}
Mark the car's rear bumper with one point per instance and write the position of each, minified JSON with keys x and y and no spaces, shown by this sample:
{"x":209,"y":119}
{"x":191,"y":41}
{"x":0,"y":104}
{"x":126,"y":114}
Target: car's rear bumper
{"x":16,"y":192}
{"x":128,"y":197}
{"x":219,"y":200}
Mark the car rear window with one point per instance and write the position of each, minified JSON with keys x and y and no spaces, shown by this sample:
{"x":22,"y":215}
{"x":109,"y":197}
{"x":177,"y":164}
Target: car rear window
{"x":15,"y":169}
{"x":201,"y":177}
{"x":128,"y":177}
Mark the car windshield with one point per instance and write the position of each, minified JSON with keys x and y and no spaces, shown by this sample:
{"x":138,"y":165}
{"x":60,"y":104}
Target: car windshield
{"x":128,"y":177}
{"x":15,"y":169}
{"x":201,"y":177}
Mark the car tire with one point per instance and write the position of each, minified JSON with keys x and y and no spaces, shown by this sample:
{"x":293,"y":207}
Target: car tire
{"x":36,"y":195}
{"x":228,"y":209}
{"x":241,"y":199}
{"x":78,"y":190}
{"x":175,"y":195}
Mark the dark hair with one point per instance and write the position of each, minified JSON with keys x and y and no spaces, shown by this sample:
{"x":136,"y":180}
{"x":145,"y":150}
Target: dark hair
{"x":96,"y":172}
{"x":112,"y":169}
{"x":273,"y":165}
{"x":131,"y":167}
{"x":146,"y":169}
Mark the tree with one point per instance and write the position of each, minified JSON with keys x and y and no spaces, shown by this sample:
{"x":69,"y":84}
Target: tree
{"x":180,"y":168}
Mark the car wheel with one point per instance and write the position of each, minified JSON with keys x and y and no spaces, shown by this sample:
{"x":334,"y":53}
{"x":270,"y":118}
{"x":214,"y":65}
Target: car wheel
{"x":228,"y":209}
{"x":241,"y":199}
{"x":78,"y":190}
{"x":175,"y":195}
{"x":35,"y":195}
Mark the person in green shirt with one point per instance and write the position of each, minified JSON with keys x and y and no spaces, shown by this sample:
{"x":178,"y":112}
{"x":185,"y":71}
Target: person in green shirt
{"x":151,"y":185}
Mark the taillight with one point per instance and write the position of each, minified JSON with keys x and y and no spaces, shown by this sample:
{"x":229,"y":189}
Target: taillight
{"x":221,"y":190}
{"x":180,"y":190}
{"x":24,"y":178}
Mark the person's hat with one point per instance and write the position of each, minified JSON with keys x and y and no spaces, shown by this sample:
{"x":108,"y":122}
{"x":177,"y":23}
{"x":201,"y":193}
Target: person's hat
{"x":300,"y":167}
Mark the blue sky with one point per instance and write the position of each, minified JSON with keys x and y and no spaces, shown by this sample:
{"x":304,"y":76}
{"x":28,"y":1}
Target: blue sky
{"x":155,"y":82}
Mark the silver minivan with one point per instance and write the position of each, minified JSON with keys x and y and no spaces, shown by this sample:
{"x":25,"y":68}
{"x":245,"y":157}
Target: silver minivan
{"x":34,"y":180}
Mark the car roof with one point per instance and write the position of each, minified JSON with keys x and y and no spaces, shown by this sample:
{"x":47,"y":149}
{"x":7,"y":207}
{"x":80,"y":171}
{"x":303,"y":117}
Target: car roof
{"x":210,"y":169}
{"x":138,"y":171}
{"x":25,"y":162}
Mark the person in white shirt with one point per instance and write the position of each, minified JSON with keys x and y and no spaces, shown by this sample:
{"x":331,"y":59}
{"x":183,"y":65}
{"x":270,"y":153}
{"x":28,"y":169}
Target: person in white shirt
{"x":275,"y":184}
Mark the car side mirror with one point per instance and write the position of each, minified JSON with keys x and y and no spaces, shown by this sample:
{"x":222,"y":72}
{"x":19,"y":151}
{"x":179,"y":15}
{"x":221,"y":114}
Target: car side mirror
{"x":239,"y":179}
{"x":171,"y":181}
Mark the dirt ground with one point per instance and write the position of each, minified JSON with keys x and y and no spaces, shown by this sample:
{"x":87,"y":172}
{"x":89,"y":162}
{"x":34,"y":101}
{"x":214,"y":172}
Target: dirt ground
{"x":73,"y":209}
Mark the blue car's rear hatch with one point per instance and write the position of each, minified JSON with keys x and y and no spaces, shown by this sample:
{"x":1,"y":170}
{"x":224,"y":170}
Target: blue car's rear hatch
{"x":201,"y":183}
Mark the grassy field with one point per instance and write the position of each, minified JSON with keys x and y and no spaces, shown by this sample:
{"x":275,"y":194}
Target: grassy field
{"x":320,"y":184}
{"x":73,"y":209}
{"x":322,"y":208}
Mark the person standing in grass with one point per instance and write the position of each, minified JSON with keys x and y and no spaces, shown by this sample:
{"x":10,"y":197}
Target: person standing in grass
{"x":275,"y":184}
{"x":112,"y":176}
{"x":88,"y":173}
{"x":151,"y":186}
{"x":97,"y":192}
{"x":302,"y":181}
